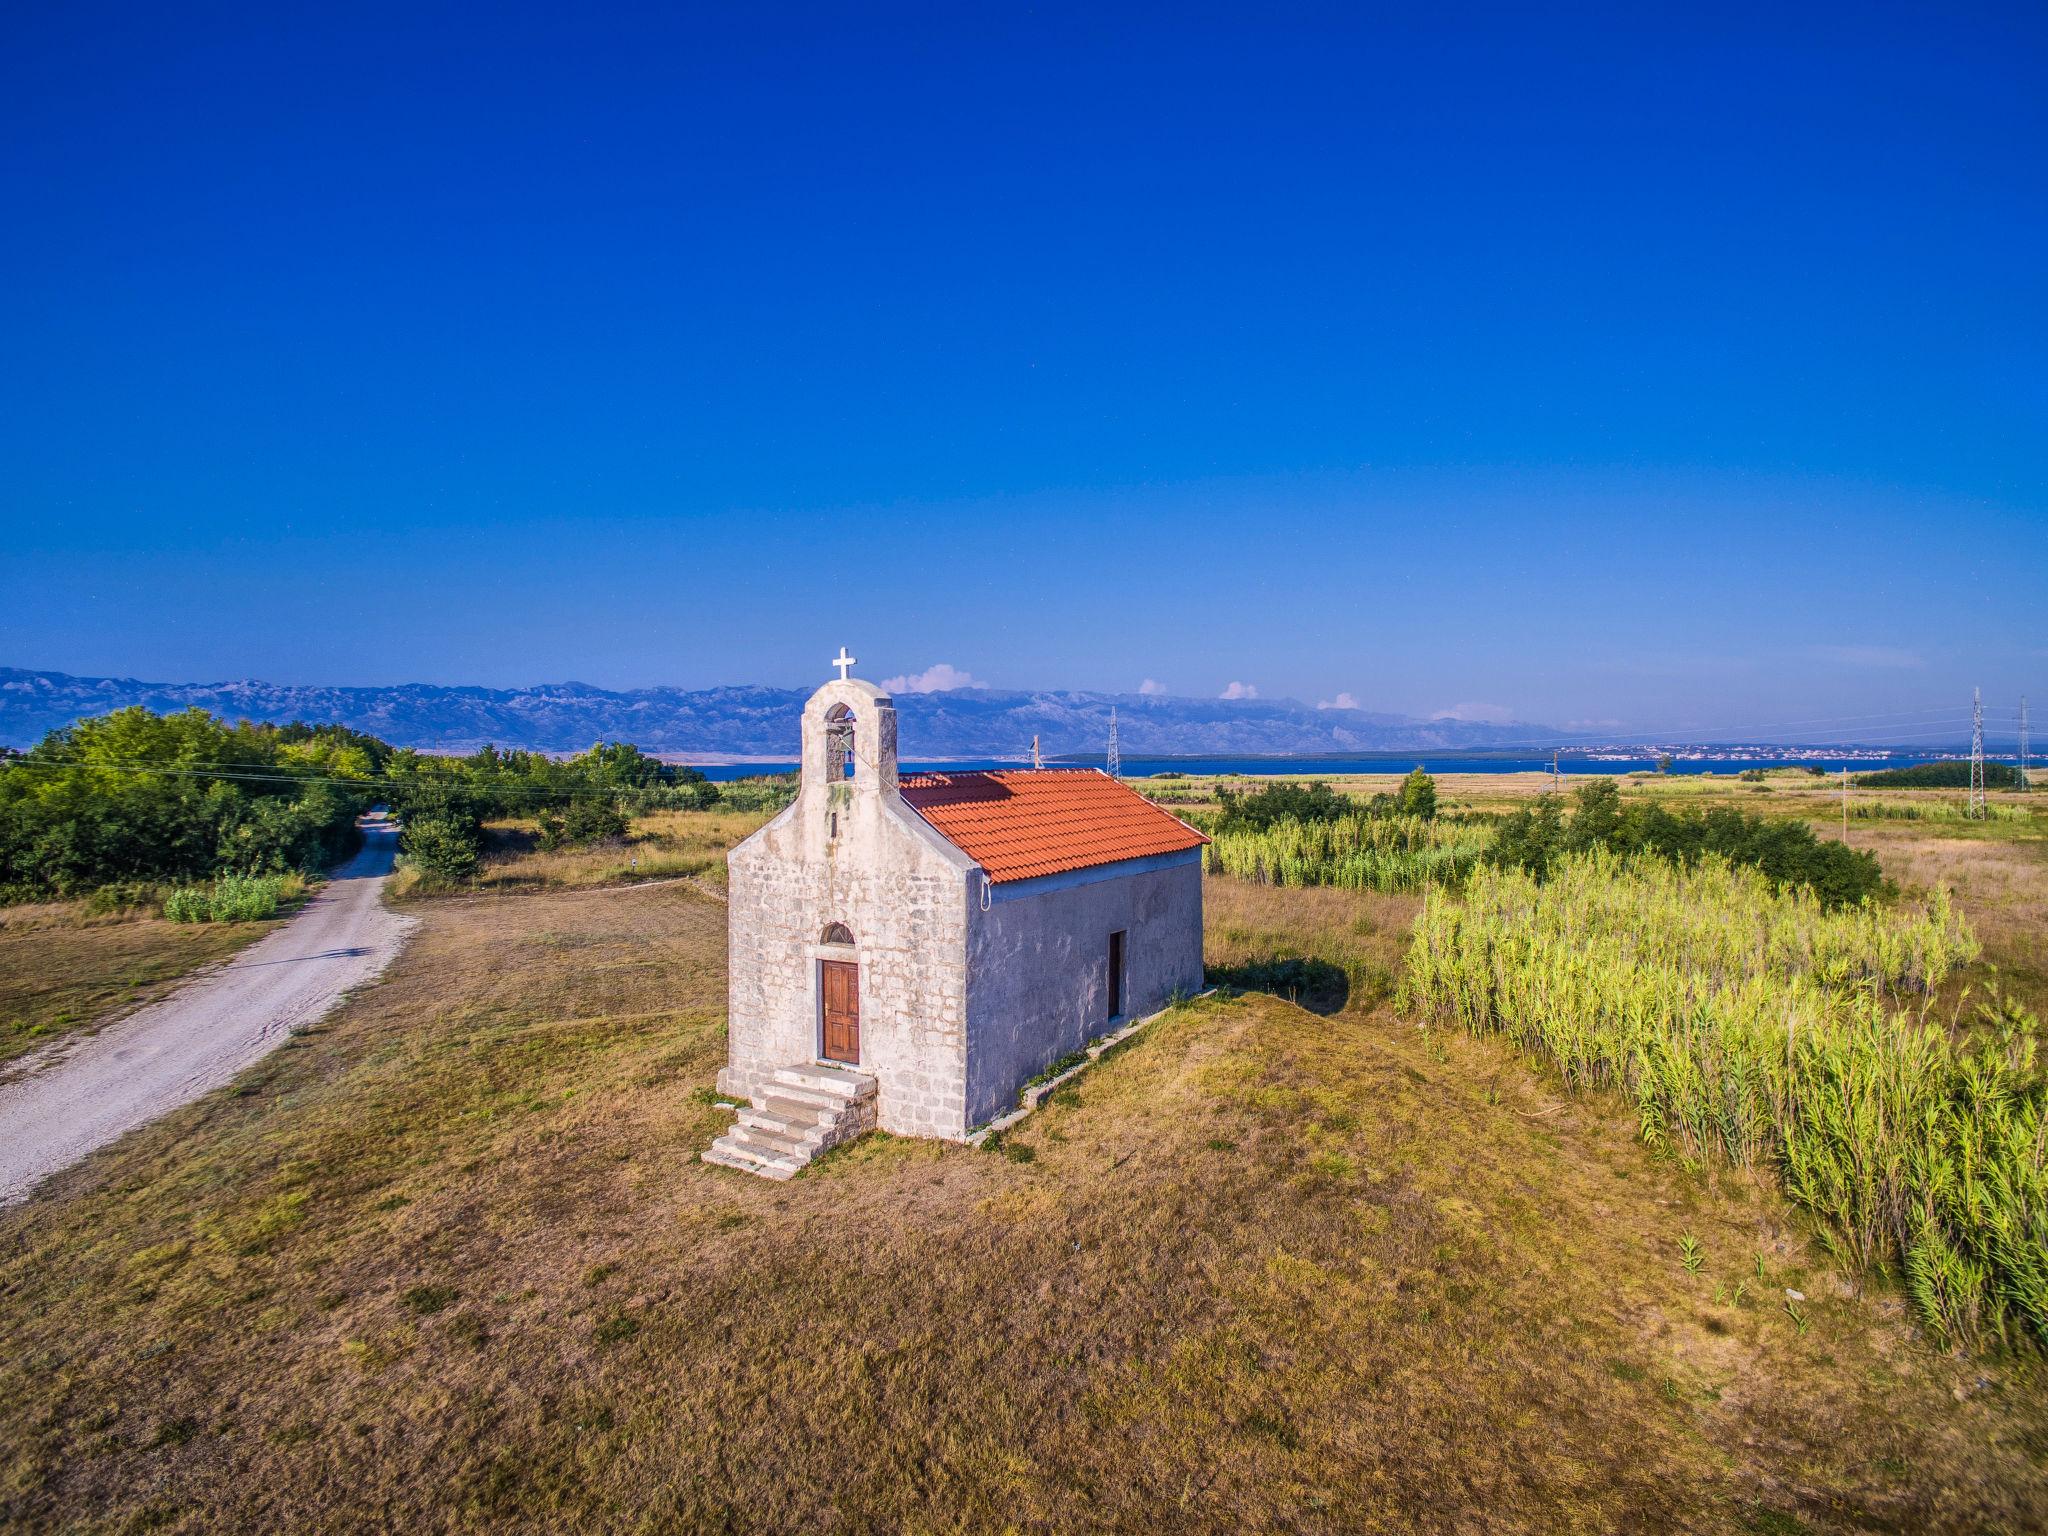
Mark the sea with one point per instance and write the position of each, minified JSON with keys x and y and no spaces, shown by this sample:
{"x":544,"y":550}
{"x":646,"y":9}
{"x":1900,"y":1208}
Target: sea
{"x":1705,"y":760}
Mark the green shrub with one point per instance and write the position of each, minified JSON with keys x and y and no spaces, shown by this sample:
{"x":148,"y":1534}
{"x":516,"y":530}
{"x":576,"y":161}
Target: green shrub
{"x":763,"y":794}
{"x":446,"y":847}
{"x":189,"y":904}
{"x":1417,"y":794}
{"x":1536,"y":837}
{"x":230,"y":899}
{"x":244,"y":899}
{"x":1255,"y":810}
{"x":585,"y":823}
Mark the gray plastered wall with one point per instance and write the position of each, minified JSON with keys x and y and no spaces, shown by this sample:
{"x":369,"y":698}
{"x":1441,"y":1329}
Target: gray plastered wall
{"x":1038,"y":965}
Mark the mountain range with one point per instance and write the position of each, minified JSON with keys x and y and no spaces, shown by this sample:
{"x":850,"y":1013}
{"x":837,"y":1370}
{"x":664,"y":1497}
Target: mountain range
{"x":754,"y":721}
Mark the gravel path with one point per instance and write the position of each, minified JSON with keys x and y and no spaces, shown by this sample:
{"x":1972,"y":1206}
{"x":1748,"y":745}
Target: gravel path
{"x":87,"y":1093}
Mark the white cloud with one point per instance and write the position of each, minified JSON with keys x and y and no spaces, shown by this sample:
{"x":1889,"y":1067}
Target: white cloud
{"x":1241,"y":691}
{"x":1342,"y":701}
{"x":942,"y":678}
{"x":1151,"y":685}
{"x":1885,"y":657}
{"x":1478,"y":714}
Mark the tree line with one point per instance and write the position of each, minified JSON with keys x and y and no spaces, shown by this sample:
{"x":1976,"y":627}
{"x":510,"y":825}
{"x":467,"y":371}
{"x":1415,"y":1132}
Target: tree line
{"x":1540,"y":837}
{"x":139,"y":798}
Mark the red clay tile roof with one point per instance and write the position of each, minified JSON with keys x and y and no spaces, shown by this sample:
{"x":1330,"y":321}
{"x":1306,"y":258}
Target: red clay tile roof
{"x":1021,"y":825}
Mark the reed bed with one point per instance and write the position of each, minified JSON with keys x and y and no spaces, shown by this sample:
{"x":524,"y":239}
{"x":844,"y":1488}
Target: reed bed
{"x":1933,"y":810}
{"x":1388,"y":854}
{"x":1747,"y":1024}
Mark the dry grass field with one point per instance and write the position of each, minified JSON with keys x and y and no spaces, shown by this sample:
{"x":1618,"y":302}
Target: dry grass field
{"x":662,"y":845}
{"x":63,"y":969}
{"x":450,"y":1262}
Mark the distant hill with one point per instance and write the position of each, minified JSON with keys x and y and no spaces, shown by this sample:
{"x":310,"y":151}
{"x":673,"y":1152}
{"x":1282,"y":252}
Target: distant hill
{"x":754,"y":721}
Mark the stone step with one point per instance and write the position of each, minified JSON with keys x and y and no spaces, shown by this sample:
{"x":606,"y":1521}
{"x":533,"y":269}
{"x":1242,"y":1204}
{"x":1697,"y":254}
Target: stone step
{"x":803,"y":1132}
{"x":811,"y":1098}
{"x":746,"y":1162}
{"x":823,"y":1079}
{"x":734,"y":1144}
{"x":773,"y":1143}
{"x":799,"y":1111}
{"x":803,"y":1110}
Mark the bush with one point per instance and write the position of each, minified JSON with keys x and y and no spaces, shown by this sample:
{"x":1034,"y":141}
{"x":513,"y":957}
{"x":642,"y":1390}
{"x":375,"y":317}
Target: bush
{"x":698,"y":794}
{"x":1417,"y":794}
{"x":762,"y":794}
{"x":232,"y":899}
{"x":445,"y":847}
{"x":1787,"y":852}
{"x":1255,"y":810}
{"x":189,"y":904}
{"x":586,"y":822}
{"x":242,"y":899}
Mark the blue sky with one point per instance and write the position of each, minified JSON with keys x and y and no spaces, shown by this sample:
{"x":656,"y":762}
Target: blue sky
{"x":1590,"y":365}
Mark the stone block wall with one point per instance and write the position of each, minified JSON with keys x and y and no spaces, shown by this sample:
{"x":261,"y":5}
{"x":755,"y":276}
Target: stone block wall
{"x":852,"y":853}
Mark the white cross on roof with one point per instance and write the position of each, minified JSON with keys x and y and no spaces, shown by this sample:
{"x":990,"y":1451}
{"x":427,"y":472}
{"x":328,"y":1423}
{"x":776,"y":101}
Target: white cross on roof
{"x":842,"y":661}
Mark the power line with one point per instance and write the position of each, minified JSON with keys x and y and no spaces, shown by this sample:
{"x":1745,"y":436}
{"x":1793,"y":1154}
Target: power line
{"x":523,"y":794}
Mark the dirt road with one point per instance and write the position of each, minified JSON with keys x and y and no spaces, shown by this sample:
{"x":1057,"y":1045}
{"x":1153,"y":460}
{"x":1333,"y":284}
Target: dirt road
{"x":89,"y":1092}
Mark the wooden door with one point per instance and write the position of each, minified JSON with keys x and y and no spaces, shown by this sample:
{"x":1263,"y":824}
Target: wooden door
{"x":839,"y":987}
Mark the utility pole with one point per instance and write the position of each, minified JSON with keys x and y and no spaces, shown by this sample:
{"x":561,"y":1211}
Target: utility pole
{"x":1116,"y":761}
{"x":2023,"y":743}
{"x":1845,"y":802}
{"x":1977,"y":754}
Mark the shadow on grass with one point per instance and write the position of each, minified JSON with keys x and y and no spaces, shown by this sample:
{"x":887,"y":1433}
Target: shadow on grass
{"x":1316,"y":985}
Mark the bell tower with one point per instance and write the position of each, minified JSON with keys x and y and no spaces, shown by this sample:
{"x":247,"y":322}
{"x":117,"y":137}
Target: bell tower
{"x":849,"y":736}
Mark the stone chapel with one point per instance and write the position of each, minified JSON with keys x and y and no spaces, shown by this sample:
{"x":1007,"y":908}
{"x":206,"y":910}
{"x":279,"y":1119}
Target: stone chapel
{"x":907,"y":952}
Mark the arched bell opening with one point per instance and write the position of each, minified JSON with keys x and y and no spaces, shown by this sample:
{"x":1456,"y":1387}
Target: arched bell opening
{"x":840,"y":762}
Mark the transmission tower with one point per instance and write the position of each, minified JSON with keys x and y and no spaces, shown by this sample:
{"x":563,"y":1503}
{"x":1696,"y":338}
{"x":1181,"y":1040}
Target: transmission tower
{"x":1977,"y":754}
{"x":1116,"y":761}
{"x":1036,"y":760}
